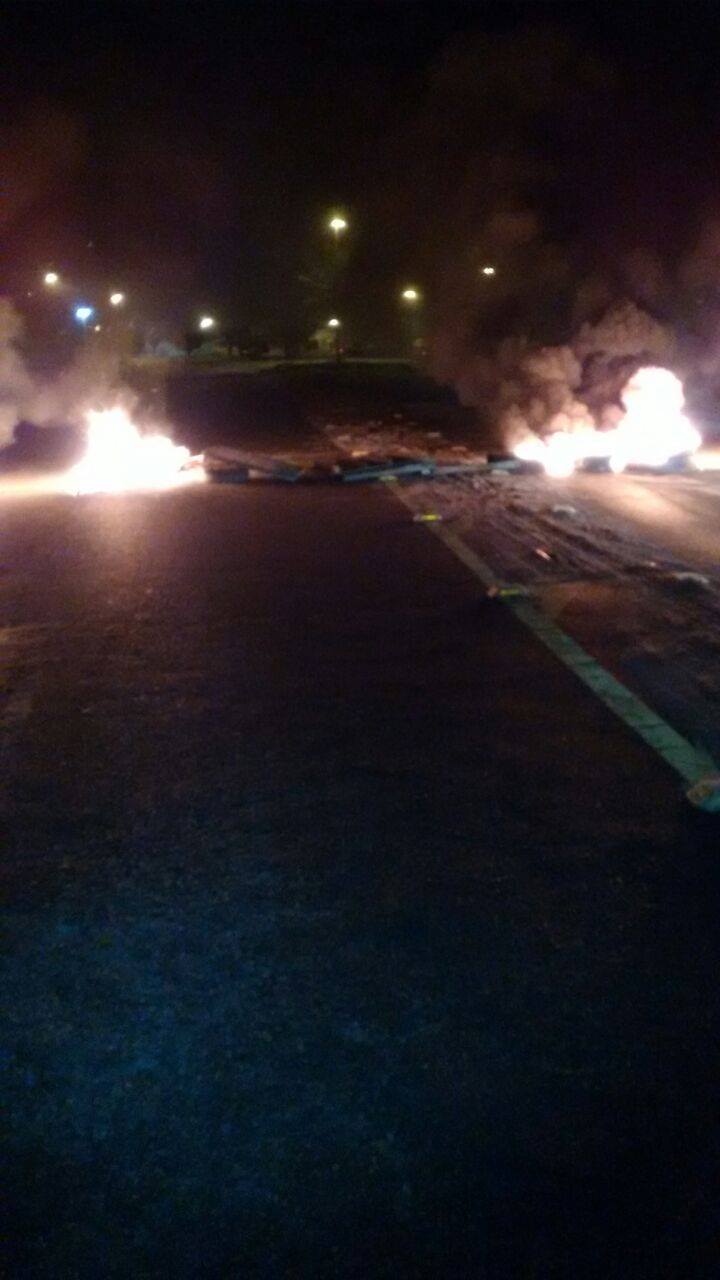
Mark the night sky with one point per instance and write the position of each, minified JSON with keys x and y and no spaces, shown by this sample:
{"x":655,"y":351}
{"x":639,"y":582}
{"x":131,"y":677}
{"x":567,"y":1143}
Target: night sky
{"x":189,"y":152}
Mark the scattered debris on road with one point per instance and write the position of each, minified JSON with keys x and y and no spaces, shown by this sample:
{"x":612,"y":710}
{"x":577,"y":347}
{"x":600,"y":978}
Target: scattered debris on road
{"x":650,"y":617}
{"x":624,"y":597}
{"x":378,"y":468}
{"x":236,"y":466}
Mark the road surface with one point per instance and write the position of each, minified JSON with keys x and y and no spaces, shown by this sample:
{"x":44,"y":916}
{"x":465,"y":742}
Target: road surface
{"x":626,"y":564}
{"x":345,"y":934}
{"x":678,"y":512}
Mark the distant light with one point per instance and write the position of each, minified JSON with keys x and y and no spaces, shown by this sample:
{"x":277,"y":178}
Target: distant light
{"x":117,"y":299}
{"x":83,"y":314}
{"x":51,"y":278}
{"x":97,"y":328}
{"x":338,"y":224}
{"x":411,"y":295}
{"x":488,"y":271}
{"x":334,"y":323}
{"x":207,"y":322}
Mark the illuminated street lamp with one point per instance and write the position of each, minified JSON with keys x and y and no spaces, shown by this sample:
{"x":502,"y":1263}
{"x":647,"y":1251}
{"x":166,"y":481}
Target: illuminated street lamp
{"x":334,"y":325}
{"x":206,"y":322}
{"x":117,"y":299}
{"x":51,"y":279}
{"x":337,"y":225}
{"x":488,"y":271}
{"x":83,"y":313}
{"x":412,"y":319}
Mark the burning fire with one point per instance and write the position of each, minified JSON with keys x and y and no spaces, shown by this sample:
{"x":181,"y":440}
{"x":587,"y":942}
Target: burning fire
{"x":653,"y":430}
{"x":119,"y":458}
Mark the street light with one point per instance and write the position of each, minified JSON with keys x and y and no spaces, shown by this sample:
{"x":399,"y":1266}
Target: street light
{"x":337,"y":225}
{"x":83,"y":313}
{"x":117,"y":299}
{"x":412,"y":318}
{"x":206,"y":322}
{"x":51,"y":279}
{"x":334,"y":325}
{"x":488,"y":271}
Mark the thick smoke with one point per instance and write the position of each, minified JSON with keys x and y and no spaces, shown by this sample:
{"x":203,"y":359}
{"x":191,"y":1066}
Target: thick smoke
{"x":89,"y":381}
{"x":542,"y":392}
{"x":577,"y":385}
{"x":560,"y":167}
{"x":16,"y":385}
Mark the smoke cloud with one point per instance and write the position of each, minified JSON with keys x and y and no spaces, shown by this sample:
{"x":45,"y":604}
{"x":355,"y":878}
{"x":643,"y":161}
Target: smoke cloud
{"x":578,"y":385}
{"x":522,"y":388}
{"x":559,"y":165}
{"x":91,"y":380}
{"x":16,"y":385}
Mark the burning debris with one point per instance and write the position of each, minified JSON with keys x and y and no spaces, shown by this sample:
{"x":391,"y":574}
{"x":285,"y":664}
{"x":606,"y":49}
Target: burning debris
{"x":653,"y":430}
{"x":119,"y":458}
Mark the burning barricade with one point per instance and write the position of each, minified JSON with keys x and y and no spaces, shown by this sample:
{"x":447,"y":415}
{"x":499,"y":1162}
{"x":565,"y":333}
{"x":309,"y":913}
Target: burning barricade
{"x":119,"y":457}
{"x":653,"y":431}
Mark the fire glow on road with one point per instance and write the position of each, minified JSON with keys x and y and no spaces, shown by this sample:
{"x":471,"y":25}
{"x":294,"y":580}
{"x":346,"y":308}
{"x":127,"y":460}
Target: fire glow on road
{"x":653,"y":429}
{"x":119,"y":458}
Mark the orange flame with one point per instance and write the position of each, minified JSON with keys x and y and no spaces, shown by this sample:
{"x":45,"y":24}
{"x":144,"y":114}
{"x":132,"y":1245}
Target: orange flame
{"x":654,"y":429}
{"x":119,"y":458}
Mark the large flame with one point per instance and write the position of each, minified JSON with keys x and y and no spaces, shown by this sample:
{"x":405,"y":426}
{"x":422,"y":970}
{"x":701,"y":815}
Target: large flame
{"x":118,"y":457}
{"x":653,"y":429}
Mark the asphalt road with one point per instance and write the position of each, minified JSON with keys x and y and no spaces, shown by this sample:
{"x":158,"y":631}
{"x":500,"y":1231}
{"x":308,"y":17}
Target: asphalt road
{"x":678,"y":512}
{"x":344,"y":933}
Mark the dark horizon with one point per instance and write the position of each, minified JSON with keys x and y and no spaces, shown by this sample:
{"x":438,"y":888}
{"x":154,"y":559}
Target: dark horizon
{"x":190,"y":155}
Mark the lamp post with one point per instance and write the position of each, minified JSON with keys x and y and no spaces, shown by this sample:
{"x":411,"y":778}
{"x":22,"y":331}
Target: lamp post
{"x":411,"y":302}
{"x":335,"y":326}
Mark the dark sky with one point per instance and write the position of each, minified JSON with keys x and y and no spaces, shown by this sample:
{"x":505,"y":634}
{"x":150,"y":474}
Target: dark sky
{"x":196,"y":146}
{"x":188,"y":151}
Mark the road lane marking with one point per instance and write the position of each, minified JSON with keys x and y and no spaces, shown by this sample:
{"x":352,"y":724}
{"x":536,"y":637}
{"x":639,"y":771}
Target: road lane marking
{"x":693,"y":764}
